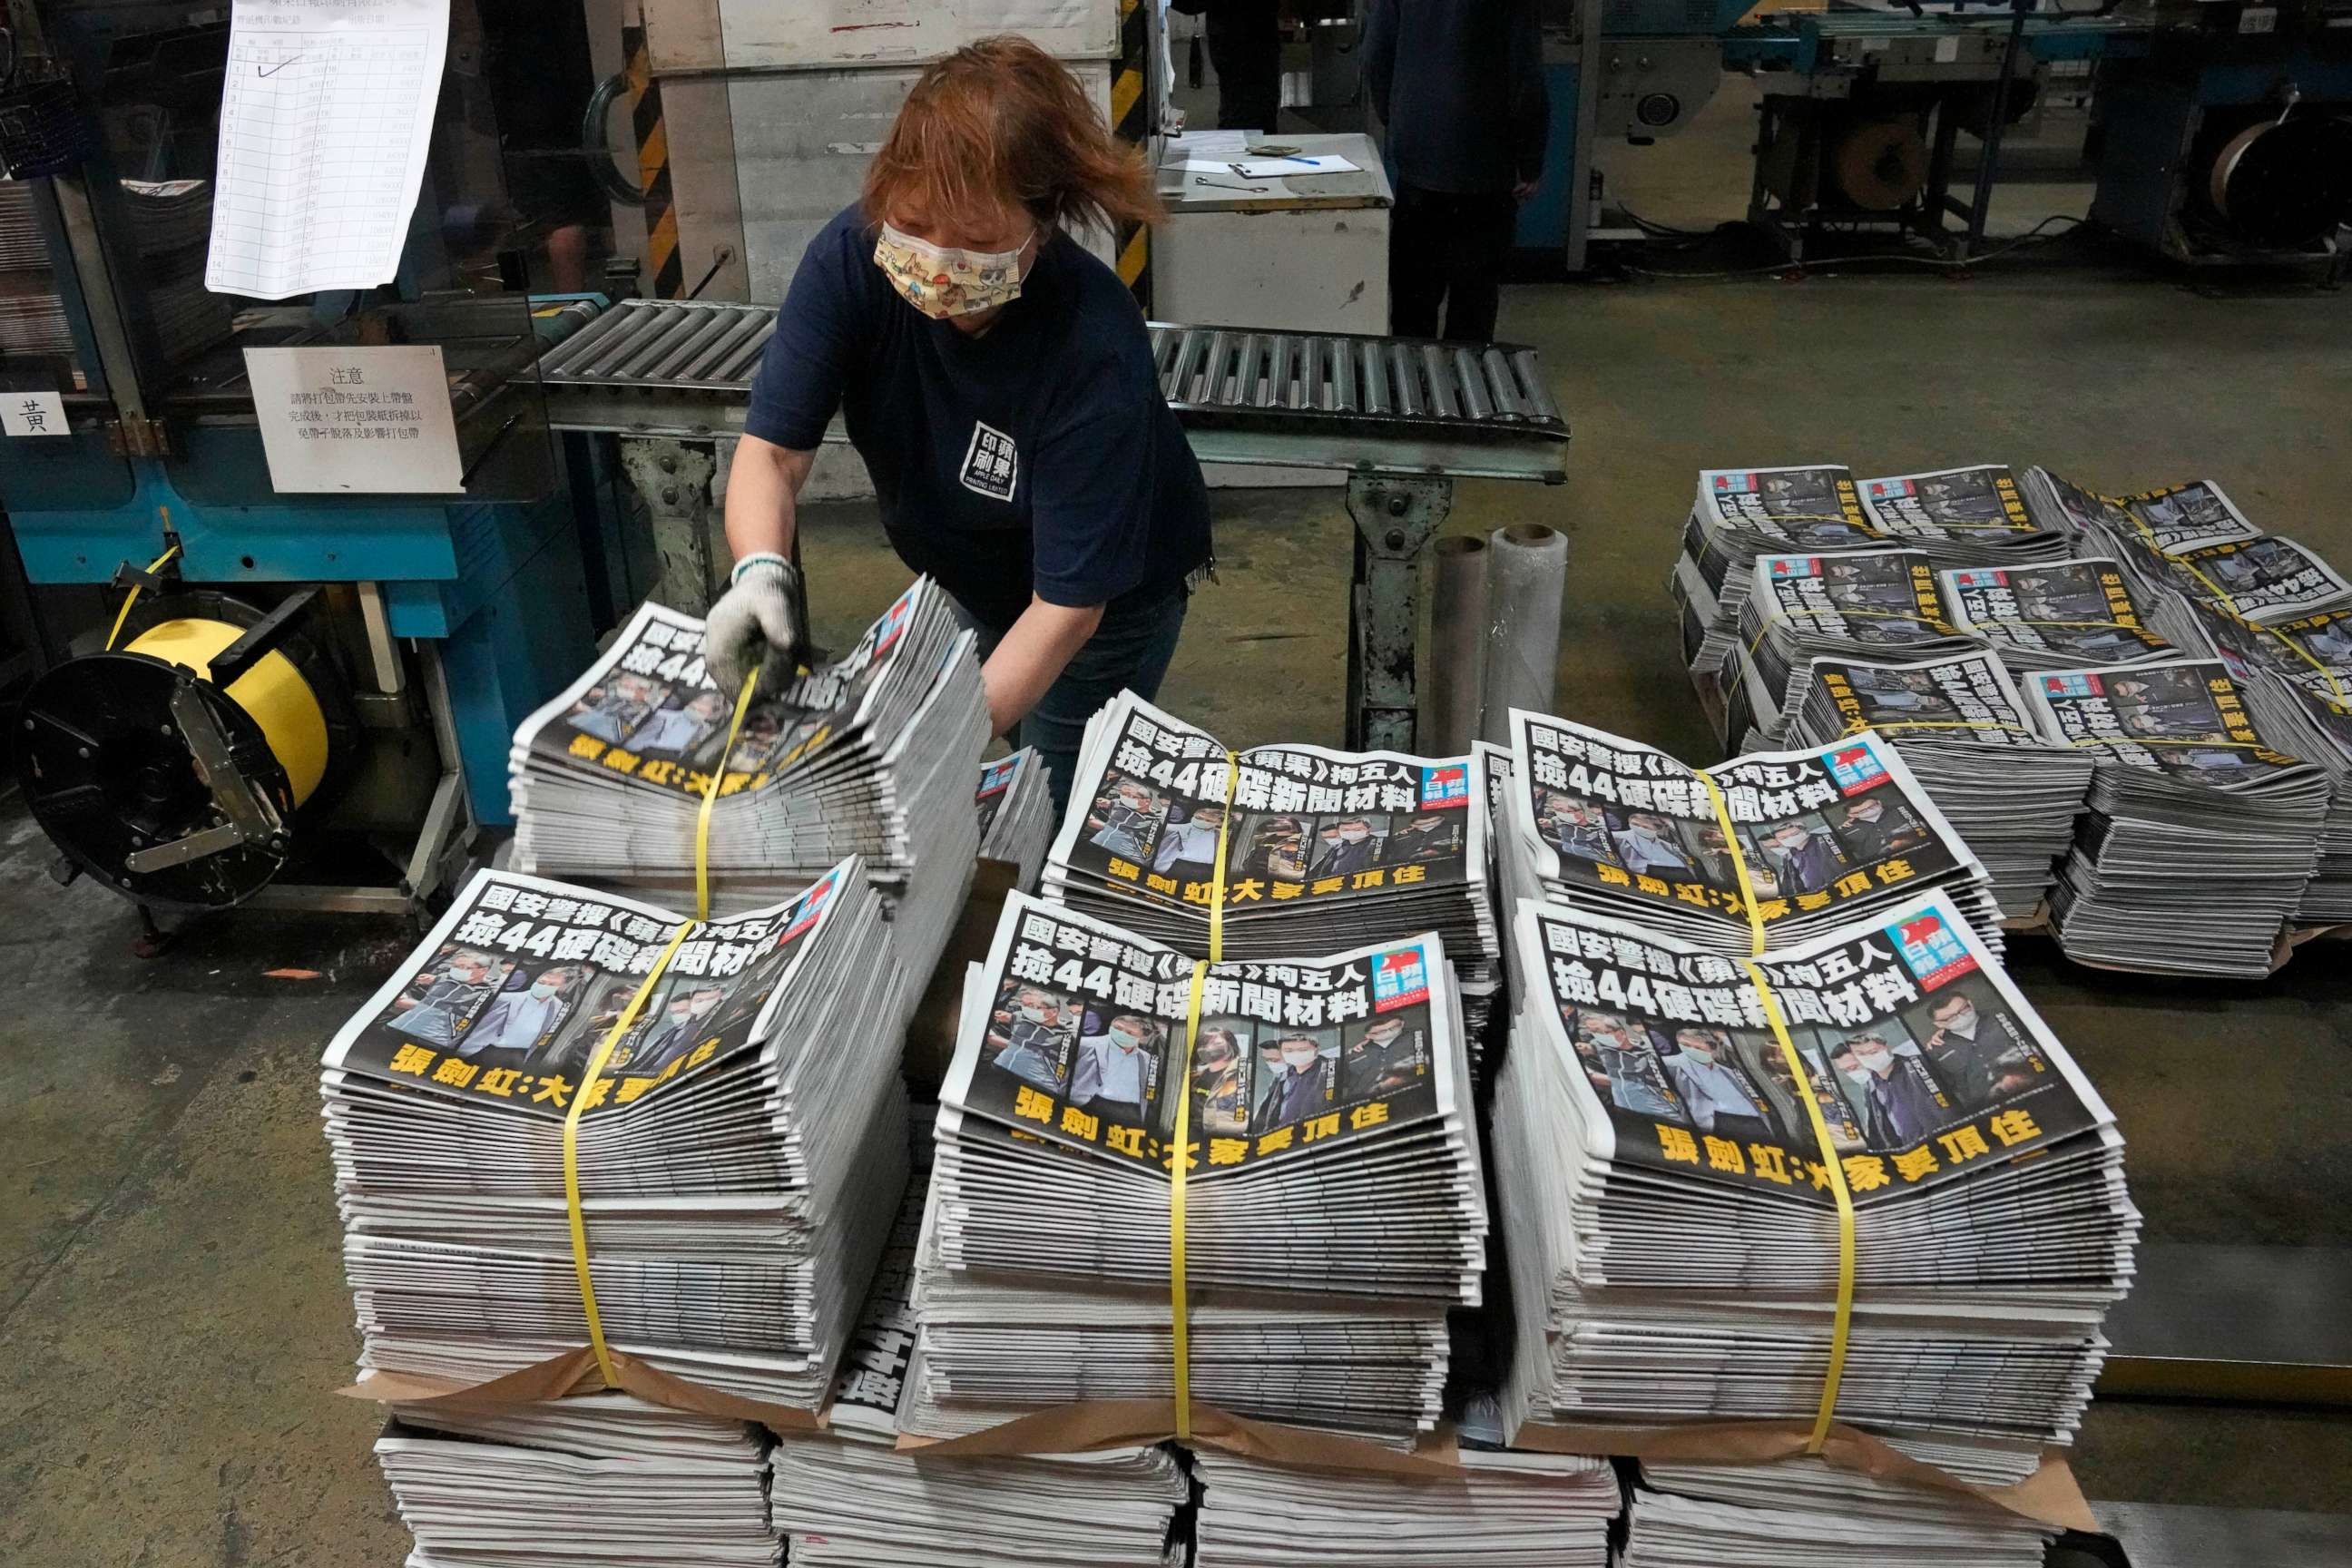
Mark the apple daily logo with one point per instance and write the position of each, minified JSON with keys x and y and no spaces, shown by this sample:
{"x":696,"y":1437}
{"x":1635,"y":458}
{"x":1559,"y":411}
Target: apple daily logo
{"x":1855,"y":768}
{"x":1400,"y":979}
{"x":1446,"y":785}
{"x":1933,"y":952}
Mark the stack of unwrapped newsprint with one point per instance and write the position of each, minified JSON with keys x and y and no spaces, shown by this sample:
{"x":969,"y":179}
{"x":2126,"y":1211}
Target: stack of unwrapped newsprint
{"x":1323,"y":849}
{"x":1961,"y":725}
{"x":1538,"y":1510}
{"x":1877,"y":604}
{"x":1806,"y":1511}
{"x":1016,"y":814}
{"x":2201,"y":836}
{"x":873,"y":756}
{"x":1333,"y":1208}
{"x":1673,"y":1239}
{"x":1977,"y":516}
{"x":1827,"y":835}
{"x":739,"y":1158}
{"x":850,"y":1497}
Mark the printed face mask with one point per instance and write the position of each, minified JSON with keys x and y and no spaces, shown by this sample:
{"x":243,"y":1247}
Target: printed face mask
{"x":1298,"y":1059}
{"x":1873,"y":1061}
{"x":542,"y":989}
{"x":941,"y":281}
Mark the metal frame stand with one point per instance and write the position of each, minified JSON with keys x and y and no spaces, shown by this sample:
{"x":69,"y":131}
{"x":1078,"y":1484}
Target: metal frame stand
{"x":1396,"y":516}
{"x":674,"y":478}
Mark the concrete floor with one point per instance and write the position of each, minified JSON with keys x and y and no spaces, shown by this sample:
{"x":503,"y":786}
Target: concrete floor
{"x":172,"y":1320}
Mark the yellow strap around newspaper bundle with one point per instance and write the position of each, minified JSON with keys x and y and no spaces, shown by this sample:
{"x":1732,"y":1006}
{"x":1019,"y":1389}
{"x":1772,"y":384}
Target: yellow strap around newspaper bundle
{"x":1180,"y":1320}
{"x":1833,"y":1172}
{"x":580,"y":1098}
{"x":710,"y":797}
{"x":1861,"y":725}
{"x":131,"y":598}
{"x":2223,"y":594}
{"x":1841,"y":1328}
{"x":1217,"y":887}
{"x":1739,"y":861}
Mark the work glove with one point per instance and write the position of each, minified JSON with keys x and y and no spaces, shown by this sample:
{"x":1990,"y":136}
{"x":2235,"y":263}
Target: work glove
{"x":757,"y":623}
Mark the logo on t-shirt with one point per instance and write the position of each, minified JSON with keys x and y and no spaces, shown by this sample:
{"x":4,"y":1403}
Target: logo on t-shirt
{"x":990,"y":464}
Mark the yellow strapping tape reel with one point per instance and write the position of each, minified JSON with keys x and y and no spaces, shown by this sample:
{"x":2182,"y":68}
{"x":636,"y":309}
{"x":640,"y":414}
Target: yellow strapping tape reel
{"x":273,"y":691}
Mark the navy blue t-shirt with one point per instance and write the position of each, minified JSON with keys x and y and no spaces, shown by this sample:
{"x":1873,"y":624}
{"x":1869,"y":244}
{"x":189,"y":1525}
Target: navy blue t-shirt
{"x":1039,"y":454}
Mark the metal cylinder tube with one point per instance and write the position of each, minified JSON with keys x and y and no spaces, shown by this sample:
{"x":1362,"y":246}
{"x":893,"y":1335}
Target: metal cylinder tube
{"x":1527,"y":573}
{"x":1457,"y":636}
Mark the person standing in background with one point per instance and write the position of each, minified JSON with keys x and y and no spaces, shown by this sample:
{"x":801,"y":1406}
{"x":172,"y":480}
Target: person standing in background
{"x":1458,"y":85}
{"x":1245,"y":50}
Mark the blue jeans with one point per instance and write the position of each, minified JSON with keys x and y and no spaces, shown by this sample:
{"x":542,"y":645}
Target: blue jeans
{"x":1129,"y":651}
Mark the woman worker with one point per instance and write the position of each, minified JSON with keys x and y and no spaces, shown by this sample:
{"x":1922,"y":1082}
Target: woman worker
{"x":999,"y":383}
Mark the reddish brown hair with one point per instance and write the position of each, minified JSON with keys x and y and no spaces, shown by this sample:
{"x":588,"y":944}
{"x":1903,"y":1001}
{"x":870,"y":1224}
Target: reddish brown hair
{"x":1000,"y":124}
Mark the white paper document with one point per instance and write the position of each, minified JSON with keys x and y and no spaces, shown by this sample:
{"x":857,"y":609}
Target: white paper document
{"x":32,"y":414}
{"x":372,"y":421}
{"x":1293,"y":168}
{"x":326,"y":116}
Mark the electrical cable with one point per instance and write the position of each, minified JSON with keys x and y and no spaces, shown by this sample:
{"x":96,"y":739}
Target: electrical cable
{"x":2031,"y":236}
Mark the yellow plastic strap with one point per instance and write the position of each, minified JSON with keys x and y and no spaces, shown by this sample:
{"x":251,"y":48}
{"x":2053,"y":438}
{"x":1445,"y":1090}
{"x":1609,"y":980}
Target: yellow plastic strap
{"x":1739,"y":861}
{"x":1179,"y":1318}
{"x":710,"y":797}
{"x":2232,"y":605}
{"x":132,"y":598}
{"x":1841,"y":1326}
{"x":1860,"y":725}
{"x":1217,"y":887}
{"x":1777,"y":616}
{"x":580,"y":1098}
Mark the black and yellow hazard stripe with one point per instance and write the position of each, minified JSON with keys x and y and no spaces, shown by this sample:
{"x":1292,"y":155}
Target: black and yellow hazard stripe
{"x":664,"y":266}
{"x":1130,"y":119}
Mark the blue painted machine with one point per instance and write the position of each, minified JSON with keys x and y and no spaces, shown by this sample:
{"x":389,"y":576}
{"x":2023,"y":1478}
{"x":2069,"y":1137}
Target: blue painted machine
{"x":308,"y":699}
{"x":2221,"y":130}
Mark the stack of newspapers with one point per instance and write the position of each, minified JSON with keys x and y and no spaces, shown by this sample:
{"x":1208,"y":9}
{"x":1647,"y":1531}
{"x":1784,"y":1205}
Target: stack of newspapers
{"x":1666,"y":1212}
{"x":739,"y":1158}
{"x":1739,"y":515}
{"x":2190,"y":542}
{"x":1877,"y":604}
{"x":1016,"y":813}
{"x":2297,"y":679}
{"x":1746,"y":1516}
{"x":2060,"y":615}
{"x":2201,"y":836}
{"x":850,"y":1497}
{"x":1540,"y":1511}
{"x":1333,"y":1209}
{"x":1825,"y":836}
{"x":1975,"y":516}
{"x":1961,"y":726}
{"x":1323,"y":849}
{"x":582,"y":1482}
{"x":873,"y":756}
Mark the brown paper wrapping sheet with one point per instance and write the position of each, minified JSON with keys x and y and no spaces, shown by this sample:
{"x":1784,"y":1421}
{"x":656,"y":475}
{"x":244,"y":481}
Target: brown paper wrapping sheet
{"x":1138,"y":1423}
{"x":574,"y":1371}
{"x":2049,"y":1495}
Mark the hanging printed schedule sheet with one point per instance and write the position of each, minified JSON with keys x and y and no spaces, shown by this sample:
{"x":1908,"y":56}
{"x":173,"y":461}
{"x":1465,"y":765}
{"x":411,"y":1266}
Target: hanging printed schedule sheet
{"x":326,"y":115}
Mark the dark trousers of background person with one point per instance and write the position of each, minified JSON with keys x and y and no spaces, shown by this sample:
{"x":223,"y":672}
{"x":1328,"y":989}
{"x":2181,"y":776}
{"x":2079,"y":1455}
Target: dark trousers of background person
{"x":1245,"y":47}
{"x":1447,"y":249}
